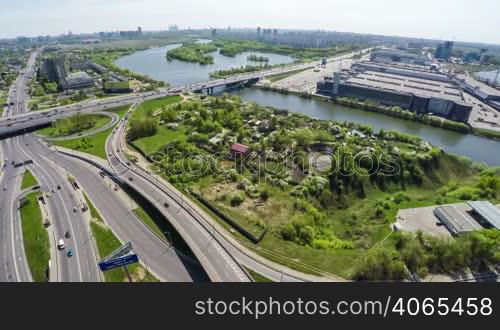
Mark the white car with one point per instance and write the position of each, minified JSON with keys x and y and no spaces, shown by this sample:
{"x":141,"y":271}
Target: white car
{"x":61,"y":245}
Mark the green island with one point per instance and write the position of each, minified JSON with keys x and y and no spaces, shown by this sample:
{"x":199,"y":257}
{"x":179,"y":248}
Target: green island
{"x":232,"y":48}
{"x":335,"y":218}
{"x":35,"y":237}
{"x":77,"y":124}
{"x":107,"y":53}
{"x":193,"y":52}
{"x":94,"y":144}
{"x":29,"y":180}
{"x":255,"y":58}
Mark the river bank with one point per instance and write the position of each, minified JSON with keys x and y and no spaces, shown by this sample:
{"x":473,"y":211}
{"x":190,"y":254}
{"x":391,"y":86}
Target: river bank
{"x":393,"y":112}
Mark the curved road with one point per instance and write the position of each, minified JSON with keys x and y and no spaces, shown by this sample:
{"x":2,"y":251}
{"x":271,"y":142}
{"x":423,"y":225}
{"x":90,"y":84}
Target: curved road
{"x":114,"y":119}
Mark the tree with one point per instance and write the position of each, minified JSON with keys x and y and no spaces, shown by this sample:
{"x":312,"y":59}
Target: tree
{"x":140,"y":128}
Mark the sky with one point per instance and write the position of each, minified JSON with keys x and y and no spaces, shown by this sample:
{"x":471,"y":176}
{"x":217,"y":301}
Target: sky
{"x":462,"y":20}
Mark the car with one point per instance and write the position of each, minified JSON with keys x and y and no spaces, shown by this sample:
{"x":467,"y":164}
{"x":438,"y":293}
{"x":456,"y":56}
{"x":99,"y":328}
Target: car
{"x":58,"y":187}
{"x":75,"y":209}
{"x":4,"y":188}
{"x":166,"y":205}
{"x":61,"y":245}
{"x":131,"y":179}
{"x":67,"y":234}
{"x":69,"y":253}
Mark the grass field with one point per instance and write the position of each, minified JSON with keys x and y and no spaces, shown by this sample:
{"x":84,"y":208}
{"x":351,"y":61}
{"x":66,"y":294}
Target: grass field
{"x":36,"y":238}
{"x":28,"y":180}
{"x":54,"y":131}
{"x":145,"y":109}
{"x":95,"y":144}
{"x":164,"y":135}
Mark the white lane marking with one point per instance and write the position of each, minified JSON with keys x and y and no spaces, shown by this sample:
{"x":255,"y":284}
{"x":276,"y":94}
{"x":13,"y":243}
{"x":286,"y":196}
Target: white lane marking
{"x":49,"y":178}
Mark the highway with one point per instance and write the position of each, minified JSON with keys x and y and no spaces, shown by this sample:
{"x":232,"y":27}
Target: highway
{"x":156,"y":255}
{"x":221,"y":256}
{"x":197,"y":228}
{"x":82,"y":266}
{"x":217,"y":262}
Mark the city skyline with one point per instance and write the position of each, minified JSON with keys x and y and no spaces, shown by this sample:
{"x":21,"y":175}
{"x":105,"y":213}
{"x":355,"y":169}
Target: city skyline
{"x":429,"y":20}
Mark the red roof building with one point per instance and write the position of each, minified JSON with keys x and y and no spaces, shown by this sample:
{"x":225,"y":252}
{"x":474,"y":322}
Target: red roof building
{"x":239,"y":149}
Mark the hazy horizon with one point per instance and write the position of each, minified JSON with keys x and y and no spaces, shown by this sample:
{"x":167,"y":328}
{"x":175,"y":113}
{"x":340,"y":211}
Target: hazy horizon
{"x":444,"y":20}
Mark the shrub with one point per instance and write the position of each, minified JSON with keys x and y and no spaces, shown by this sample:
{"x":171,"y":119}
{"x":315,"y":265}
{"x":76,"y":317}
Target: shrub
{"x":264,"y":195}
{"x":237,"y":199}
{"x":143,"y":127}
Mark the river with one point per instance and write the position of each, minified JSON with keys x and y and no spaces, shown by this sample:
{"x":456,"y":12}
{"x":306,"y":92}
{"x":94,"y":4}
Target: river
{"x":153,"y":62}
{"x":476,"y":148}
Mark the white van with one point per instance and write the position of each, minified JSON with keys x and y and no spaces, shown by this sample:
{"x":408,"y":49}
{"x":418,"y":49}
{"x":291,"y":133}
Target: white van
{"x":61,"y":245}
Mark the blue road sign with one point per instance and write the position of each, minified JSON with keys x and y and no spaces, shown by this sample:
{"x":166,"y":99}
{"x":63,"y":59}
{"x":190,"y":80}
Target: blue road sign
{"x":118,"y":262}
{"x":121,"y":257}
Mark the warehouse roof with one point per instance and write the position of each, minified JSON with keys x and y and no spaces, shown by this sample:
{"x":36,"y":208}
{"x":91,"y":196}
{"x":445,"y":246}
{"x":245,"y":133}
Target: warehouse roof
{"x":456,"y":219}
{"x":488,"y":212}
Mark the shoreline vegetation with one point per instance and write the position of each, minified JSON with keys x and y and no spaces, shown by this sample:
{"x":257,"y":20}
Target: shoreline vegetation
{"x":396,"y":112}
{"x":194,"y":53}
{"x":106,"y":54}
{"x":340,"y":224}
{"x":232,"y":48}
{"x":200,"y":53}
{"x":243,"y":69}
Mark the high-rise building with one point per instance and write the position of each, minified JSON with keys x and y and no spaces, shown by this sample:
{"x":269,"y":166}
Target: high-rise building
{"x":443,"y":51}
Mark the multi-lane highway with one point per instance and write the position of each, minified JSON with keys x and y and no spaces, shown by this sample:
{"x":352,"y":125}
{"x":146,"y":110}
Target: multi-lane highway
{"x":63,"y":203}
{"x":217,"y":262}
{"x":166,"y":263}
{"x":222,"y":257}
{"x":197,"y":228}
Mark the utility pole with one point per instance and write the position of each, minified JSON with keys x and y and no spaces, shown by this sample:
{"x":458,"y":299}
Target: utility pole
{"x":128,"y":274}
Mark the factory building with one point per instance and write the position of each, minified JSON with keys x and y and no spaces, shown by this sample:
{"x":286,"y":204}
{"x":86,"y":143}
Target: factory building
{"x":395,"y":55}
{"x":456,"y":219}
{"x":416,"y":88}
{"x":487,"y":214}
{"x":461,"y":219}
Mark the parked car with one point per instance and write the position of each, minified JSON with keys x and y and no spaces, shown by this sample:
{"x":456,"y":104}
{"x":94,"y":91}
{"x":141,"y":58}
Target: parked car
{"x":70,"y":253}
{"x":67,"y":234}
